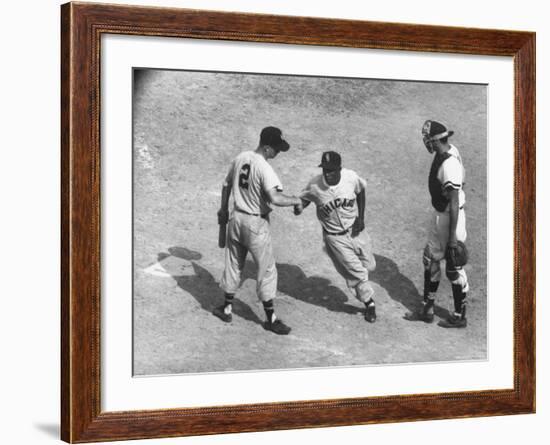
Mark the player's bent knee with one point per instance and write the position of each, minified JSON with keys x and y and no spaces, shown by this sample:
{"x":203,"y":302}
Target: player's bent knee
{"x":427,"y":258}
{"x":457,"y":277}
{"x":462,"y":282}
{"x":427,"y":264}
{"x":434,"y":269}
{"x":430,"y":265}
{"x":364,"y":291}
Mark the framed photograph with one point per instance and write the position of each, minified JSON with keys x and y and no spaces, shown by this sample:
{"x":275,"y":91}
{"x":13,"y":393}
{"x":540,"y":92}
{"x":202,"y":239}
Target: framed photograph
{"x":274,"y":222}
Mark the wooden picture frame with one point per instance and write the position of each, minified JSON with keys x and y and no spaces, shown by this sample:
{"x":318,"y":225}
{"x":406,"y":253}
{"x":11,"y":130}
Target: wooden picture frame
{"x":82,"y":26}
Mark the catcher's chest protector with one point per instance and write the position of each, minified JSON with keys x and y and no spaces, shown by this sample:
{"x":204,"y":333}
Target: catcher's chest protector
{"x":439,"y":201}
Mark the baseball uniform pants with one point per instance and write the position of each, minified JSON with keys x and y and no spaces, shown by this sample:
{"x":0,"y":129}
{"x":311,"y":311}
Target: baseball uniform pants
{"x":353,"y":259}
{"x":249,"y":233}
{"x":438,"y":237}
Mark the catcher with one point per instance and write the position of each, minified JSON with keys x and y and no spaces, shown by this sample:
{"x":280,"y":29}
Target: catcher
{"x":448,"y":231}
{"x":339,"y":195}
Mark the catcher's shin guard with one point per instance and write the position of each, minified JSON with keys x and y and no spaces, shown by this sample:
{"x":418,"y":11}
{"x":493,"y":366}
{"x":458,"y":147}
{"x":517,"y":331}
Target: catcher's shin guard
{"x":459,"y":297}
{"x":430,"y":287}
{"x":428,"y":303}
{"x":458,"y":277}
{"x":458,"y":318}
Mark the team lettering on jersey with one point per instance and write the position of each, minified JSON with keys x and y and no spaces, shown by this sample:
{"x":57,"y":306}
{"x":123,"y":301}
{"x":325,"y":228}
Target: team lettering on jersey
{"x":336,"y":205}
{"x":329,"y":207}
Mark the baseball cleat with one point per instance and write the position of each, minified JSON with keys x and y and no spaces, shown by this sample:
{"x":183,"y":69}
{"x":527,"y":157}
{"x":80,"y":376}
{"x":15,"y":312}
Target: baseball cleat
{"x":220,"y":313}
{"x":277,"y":327}
{"x":370,"y":313}
{"x":454,"y":321}
{"x":427,"y":318}
{"x":419,"y":316}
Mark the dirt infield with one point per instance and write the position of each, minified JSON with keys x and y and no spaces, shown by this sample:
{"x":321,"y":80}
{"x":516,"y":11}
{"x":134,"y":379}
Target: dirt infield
{"x":187,"y":128}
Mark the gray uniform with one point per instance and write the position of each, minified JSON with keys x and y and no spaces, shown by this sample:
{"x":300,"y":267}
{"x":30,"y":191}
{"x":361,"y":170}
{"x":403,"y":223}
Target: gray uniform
{"x":251,"y":177}
{"x":337,"y":210}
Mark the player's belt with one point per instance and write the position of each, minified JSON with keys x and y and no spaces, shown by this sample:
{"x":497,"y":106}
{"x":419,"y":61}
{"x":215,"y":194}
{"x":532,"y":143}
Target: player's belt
{"x":253,"y":214}
{"x":343,"y":232}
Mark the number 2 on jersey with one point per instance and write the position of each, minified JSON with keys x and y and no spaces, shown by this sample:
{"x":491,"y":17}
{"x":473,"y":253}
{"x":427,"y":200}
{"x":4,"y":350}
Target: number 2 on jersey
{"x":243,"y":177}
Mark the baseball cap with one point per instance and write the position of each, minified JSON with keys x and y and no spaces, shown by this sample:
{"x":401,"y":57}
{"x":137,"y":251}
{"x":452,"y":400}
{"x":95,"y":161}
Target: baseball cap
{"x":331,"y":160}
{"x":434,"y":130}
{"x":272,"y":136}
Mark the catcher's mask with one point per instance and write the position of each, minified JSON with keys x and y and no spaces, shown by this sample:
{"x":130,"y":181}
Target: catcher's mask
{"x":433,"y":131}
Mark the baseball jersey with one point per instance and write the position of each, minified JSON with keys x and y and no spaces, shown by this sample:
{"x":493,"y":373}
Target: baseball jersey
{"x":451,"y":174}
{"x":251,"y":177}
{"x":336,"y":204}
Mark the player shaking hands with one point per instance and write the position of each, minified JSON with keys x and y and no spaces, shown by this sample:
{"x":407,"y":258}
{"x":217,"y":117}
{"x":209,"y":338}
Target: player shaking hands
{"x":339,"y":196}
{"x":255,"y":187}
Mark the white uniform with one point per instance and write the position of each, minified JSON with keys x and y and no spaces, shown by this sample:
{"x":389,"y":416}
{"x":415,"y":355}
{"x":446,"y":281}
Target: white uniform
{"x":337,"y":210}
{"x":450,"y":174}
{"x":250,"y":177}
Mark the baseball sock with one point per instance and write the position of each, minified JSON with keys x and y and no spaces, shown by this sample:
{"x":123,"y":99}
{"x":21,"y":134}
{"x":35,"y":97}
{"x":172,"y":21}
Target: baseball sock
{"x":459,"y":298}
{"x":228,"y":305}
{"x":269,"y":311}
{"x":369,"y":303}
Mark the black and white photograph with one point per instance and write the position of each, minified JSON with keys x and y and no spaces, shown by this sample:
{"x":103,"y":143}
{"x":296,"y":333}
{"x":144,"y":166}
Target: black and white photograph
{"x":297,"y":222}
{"x":278,"y":222}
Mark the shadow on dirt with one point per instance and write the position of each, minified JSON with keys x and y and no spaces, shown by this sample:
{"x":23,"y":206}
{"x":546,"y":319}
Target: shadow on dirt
{"x":400,"y":288}
{"x":313,"y":290}
{"x":204,"y":287}
{"x":293,"y":282}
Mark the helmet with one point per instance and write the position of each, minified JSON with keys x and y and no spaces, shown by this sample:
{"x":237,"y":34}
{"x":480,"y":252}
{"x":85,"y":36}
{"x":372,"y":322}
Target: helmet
{"x":433,"y":131}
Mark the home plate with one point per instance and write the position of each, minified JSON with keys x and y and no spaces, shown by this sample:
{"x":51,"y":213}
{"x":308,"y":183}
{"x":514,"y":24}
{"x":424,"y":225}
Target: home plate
{"x":170,"y":266}
{"x":157,"y":270}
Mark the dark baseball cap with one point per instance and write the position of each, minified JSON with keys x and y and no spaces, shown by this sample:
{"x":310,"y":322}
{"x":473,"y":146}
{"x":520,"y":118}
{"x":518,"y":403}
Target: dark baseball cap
{"x":331,"y":160}
{"x":433,"y":130}
{"x":273,"y":137}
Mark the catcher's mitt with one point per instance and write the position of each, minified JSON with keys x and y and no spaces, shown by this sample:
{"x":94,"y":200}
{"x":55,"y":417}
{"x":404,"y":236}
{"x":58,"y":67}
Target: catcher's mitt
{"x":456,"y":256}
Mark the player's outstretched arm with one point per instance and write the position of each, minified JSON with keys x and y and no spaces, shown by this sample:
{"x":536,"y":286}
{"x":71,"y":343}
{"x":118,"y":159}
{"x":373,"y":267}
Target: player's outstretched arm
{"x":298,"y":209}
{"x":281,"y":200}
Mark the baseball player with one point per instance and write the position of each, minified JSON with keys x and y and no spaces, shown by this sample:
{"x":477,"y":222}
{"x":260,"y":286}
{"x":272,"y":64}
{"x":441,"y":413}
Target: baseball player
{"x":339,"y":195}
{"x":448,"y":232}
{"x":254,"y":185}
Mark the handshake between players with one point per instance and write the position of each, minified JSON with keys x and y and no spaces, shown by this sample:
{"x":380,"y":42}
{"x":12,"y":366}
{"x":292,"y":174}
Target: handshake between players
{"x":339,"y":195}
